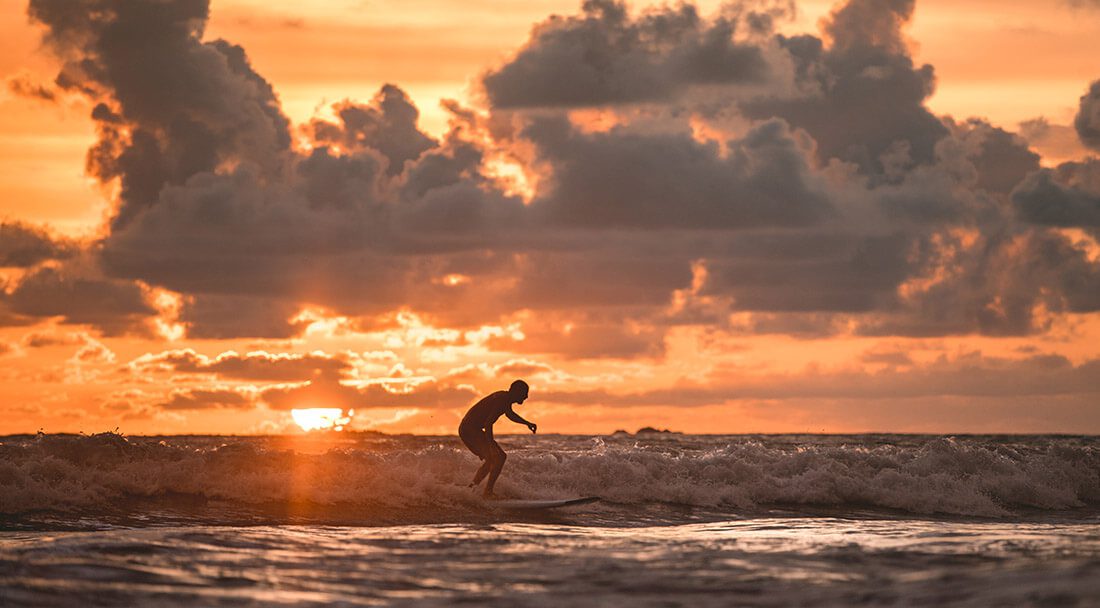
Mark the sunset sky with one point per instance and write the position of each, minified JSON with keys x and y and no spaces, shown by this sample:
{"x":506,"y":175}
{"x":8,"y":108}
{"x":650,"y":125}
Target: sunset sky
{"x":874,"y":215}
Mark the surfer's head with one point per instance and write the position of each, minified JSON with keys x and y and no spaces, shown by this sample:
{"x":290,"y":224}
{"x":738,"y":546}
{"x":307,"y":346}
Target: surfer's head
{"x":518,"y":391}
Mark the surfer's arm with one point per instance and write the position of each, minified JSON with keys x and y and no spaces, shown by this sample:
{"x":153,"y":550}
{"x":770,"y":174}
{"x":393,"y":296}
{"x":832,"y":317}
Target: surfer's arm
{"x":514,"y":417}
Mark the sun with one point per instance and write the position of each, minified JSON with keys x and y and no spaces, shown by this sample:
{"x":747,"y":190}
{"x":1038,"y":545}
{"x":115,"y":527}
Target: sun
{"x":321,"y":418}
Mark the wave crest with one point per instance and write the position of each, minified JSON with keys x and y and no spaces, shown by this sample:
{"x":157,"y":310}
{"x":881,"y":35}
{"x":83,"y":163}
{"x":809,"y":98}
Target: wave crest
{"x":960,"y":476}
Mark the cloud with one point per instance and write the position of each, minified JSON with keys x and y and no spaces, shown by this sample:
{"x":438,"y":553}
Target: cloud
{"x":861,"y":96}
{"x":23,"y":246}
{"x":521,"y":367}
{"x":259,"y":366}
{"x":594,"y":335}
{"x":1068,"y":196}
{"x":201,"y":399}
{"x":114,"y":307}
{"x":327,"y":392}
{"x":1053,"y":141}
{"x":513,"y":368}
{"x":24,"y":86}
{"x":1087,"y":121}
{"x":194,"y":104}
{"x":387,"y":125}
{"x":969,"y":375}
{"x":799,"y":183}
{"x":38,"y":339}
{"x":606,"y":56}
{"x":93,"y":352}
{"x":620,"y":179}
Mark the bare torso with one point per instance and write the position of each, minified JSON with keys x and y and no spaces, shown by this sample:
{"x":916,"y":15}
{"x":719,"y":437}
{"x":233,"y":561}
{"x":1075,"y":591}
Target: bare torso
{"x":486,"y":412}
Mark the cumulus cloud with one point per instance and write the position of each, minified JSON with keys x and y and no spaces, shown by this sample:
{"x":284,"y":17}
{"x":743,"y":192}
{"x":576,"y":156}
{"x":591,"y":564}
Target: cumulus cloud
{"x":23,"y":246}
{"x":259,"y":366}
{"x":387,"y":125}
{"x":801,"y":180}
{"x":862,"y":96}
{"x":620,"y":179}
{"x":194,"y":104}
{"x":114,"y":307}
{"x":1087,"y":122}
{"x":606,"y":56}
{"x":1068,"y":196}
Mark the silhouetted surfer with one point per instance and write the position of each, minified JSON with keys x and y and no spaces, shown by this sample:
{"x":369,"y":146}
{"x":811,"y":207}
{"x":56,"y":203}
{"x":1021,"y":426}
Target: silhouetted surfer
{"x":476,"y":431}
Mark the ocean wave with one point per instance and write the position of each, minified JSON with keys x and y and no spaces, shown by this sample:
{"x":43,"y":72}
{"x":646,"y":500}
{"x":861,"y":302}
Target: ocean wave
{"x":398,"y":476}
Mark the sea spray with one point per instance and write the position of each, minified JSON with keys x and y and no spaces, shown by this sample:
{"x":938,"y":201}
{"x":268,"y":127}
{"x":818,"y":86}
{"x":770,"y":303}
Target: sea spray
{"x":416,"y":476}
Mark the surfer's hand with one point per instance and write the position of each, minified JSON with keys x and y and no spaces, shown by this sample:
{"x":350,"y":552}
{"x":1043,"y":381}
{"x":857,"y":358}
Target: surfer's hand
{"x":532,"y":426}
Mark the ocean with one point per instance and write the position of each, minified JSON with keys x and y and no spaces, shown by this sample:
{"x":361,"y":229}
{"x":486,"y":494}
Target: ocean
{"x":364,"y":519}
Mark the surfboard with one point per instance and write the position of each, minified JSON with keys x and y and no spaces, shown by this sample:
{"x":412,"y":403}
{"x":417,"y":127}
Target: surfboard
{"x":508,"y":503}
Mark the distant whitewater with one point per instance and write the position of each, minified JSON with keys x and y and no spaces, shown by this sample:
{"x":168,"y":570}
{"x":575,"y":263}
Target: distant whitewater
{"x":379,"y":479}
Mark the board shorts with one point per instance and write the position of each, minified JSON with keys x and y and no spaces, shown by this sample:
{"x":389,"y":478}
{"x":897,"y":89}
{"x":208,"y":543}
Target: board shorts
{"x":477,"y":440}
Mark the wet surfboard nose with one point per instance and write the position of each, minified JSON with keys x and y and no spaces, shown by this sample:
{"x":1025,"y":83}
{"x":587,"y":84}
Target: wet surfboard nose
{"x":539,"y":503}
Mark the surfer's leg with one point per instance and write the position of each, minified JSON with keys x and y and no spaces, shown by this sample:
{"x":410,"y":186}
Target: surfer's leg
{"x":481,"y":472}
{"x":496,"y":461}
{"x":478,"y":442}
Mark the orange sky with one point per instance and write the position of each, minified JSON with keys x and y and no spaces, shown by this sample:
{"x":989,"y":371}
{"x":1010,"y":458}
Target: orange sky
{"x":1004,"y":62}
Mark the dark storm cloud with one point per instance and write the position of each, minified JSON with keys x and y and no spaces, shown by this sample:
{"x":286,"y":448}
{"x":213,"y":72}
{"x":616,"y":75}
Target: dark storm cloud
{"x":996,"y":286}
{"x":23,"y":246}
{"x":262,"y":366}
{"x":824,"y":197}
{"x":606,"y":56}
{"x":1001,"y":159}
{"x":214,"y":317}
{"x":1068,"y":196}
{"x":1087,"y":122}
{"x":193,"y":104}
{"x":113,"y":307}
{"x":829,"y":271}
{"x":387,"y":125}
{"x":621,"y":179}
{"x":862,"y":96}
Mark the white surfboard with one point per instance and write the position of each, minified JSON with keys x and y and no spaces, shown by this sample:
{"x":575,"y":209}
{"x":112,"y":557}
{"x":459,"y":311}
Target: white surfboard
{"x":538,"y":504}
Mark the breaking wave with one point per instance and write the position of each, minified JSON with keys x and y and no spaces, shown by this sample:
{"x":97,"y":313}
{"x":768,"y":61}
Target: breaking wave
{"x":395,"y":479}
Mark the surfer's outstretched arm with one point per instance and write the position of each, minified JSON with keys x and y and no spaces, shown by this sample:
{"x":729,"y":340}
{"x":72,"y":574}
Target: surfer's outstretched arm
{"x":514,"y":417}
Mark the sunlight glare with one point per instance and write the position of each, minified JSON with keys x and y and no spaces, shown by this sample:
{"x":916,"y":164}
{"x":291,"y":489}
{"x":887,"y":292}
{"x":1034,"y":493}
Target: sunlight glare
{"x":321,"y":418}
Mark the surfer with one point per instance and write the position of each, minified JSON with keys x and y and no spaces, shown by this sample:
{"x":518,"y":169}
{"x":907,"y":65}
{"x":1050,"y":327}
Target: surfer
{"x":476,"y":431}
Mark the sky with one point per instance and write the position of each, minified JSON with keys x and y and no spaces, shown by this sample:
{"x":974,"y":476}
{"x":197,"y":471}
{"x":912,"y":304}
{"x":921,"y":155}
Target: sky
{"x":755,"y":217}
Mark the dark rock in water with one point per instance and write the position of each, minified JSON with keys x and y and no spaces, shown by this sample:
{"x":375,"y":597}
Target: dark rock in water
{"x":648,"y":429}
{"x":620,"y":432}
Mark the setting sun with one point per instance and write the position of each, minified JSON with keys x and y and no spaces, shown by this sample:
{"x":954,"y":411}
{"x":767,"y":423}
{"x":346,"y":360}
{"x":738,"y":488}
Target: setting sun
{"x":321,"y":418}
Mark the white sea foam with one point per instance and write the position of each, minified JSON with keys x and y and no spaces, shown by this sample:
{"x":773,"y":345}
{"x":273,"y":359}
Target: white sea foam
{"x":395,"y":477}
